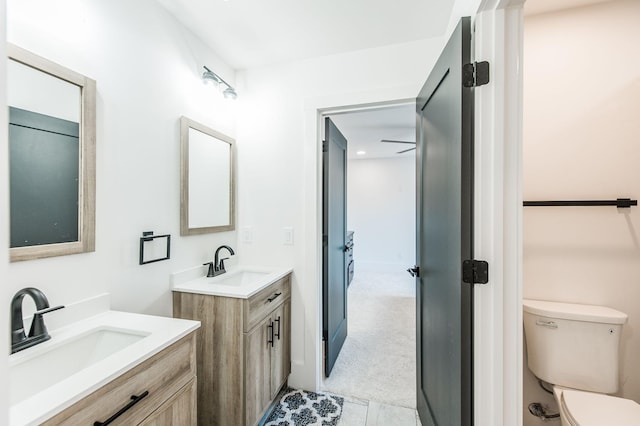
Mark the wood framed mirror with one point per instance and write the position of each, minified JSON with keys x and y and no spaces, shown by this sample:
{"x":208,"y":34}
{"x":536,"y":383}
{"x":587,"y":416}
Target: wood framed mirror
{"x":52,"y":136}
{"x":207,"y":187}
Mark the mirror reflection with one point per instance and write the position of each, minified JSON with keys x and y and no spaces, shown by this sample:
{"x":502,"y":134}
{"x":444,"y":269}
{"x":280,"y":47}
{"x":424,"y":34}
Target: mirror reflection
{"x":207,"y":202}
{"x":51,"y":158}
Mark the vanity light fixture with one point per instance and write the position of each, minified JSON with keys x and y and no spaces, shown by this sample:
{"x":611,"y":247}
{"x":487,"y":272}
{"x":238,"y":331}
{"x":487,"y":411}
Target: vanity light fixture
{"x":210,"y":77}
{"x":361,"y":152}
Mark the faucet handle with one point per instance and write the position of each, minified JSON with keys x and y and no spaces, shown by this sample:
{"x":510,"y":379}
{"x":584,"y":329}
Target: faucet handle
{"x":47,"y":310}
{"x":210,"y":271}
{"x":221,"y":268}
{"x":37,"y":324}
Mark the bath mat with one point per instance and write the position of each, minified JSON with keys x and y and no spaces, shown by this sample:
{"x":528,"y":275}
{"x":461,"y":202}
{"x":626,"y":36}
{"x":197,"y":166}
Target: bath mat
{"x":302,"y":408}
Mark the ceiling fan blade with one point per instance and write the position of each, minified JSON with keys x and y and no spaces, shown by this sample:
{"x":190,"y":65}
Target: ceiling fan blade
{"x":406,"y":150}
{"x":392,"y":141}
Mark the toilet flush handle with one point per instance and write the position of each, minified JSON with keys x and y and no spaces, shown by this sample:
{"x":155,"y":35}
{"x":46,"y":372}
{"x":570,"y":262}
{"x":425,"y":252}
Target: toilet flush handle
{"x":548,"y":324}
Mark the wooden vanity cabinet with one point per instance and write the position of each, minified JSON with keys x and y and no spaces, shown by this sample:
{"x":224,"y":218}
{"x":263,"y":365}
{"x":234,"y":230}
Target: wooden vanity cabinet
{"x":169,"y":377}
{"x":281,"y":351}
{"x":267,"y":361}
{"x":179,"y":410}
{"x":244,"y":351}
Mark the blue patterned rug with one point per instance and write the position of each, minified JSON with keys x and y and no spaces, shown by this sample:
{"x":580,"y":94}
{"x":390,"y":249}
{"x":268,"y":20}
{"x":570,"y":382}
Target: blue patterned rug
{"x":302,"y":408}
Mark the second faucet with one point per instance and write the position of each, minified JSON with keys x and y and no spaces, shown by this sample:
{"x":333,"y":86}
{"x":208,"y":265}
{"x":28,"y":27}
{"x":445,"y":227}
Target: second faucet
{"x":217,"y":266}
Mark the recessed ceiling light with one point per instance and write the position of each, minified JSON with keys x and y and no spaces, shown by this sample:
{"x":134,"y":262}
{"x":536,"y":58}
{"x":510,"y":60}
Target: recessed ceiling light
{"x":361,"y":152}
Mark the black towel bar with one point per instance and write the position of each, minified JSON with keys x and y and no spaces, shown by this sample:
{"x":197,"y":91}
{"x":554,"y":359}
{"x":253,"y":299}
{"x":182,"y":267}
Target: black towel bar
{"x":619,"y":203}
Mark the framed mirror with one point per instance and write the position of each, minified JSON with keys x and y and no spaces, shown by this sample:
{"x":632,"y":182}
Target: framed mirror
{"x":207,"y":187}
{"x":52,"y":136}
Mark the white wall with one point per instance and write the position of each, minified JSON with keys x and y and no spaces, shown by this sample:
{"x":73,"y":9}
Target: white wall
{"x":147,"y":69}
{"x":279,"y":169}
{"x":4,"y":226}
{"x":581,"y":127}
{"x":381,"y":210}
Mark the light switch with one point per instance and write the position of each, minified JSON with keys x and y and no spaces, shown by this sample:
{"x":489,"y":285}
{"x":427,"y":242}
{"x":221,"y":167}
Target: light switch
{"x":287,"y":235}
{"x":247,"y":235}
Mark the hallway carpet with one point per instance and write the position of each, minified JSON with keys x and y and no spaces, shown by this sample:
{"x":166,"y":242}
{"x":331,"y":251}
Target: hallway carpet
{"x":377,"y":361}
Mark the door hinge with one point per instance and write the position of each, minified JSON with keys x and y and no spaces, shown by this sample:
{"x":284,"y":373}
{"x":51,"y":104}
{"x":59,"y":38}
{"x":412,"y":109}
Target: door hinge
{"x":475,"y":272}
{"x":475,"y":74}
{"x":324,"y":146}
{"x":325,"y":335}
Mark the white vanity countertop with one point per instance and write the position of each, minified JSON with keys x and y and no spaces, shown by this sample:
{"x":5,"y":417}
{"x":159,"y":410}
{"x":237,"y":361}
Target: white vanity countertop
{"x":240,"y":282}
{"x":159,"y":333}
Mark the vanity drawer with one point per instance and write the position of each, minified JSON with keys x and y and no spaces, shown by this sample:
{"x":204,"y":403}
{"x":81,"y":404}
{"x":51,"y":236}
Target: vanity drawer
{"x":162,"y":376}
{"x":260,"y":304}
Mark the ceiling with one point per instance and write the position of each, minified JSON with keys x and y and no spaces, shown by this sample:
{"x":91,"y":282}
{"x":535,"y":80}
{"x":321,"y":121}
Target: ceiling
{"x":364,"y":130}
{"x":253,"y":33}
{"x":250,"y":33}
{"x":534,"y":7}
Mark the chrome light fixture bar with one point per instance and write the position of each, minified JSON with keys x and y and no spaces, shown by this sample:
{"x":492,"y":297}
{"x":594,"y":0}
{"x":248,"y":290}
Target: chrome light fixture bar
{"x":209,"y":76}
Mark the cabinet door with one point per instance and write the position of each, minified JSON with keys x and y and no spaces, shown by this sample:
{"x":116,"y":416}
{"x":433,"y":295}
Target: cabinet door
{"x":180,"y":409}
{"x":281,"y":351}
{"x":257,"y":380}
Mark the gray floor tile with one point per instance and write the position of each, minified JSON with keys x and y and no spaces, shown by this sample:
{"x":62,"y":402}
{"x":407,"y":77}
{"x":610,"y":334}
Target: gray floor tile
{"x":384,"y":415}
{"x":353,"y":414}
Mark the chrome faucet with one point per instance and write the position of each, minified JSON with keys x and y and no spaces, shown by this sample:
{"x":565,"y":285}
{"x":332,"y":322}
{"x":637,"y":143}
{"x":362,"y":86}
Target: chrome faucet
{"x":217,"y":266}
{"x":38,"y":332}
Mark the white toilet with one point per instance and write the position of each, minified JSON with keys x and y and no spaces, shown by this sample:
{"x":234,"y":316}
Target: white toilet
{"x":575,"y":349}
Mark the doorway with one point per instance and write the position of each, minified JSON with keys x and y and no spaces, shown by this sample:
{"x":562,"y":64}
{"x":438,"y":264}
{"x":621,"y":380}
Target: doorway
{"x":584,"y":255}
{"x":377,"y":361}
{"x":498,"y":365}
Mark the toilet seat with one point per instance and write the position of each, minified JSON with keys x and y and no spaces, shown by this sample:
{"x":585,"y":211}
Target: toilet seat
{"x":581,"y":408}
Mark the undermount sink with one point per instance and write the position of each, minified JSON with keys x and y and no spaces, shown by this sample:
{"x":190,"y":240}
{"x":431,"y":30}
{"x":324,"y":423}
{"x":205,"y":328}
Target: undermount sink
{"x":239,"y":278}
{"x":238,"y":282}
{"x":35,"y":370}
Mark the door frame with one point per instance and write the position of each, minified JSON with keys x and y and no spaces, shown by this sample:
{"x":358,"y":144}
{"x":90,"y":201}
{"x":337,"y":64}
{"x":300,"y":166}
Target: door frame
{"x":498,"y":222}
{"x":498,"y":366}
{"x":4,"y":223}
{"x":310,"y":372}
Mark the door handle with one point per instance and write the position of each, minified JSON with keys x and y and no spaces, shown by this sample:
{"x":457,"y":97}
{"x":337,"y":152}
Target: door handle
{"x":270,"y":338}
{"x":272,"y":298}
{"x":134,"y":400}
{"x":277,"y":334}
{"x":414,"y":272}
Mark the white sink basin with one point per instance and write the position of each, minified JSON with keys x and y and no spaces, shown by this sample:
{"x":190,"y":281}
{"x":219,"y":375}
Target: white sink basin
{"x":241,"y":282}
{"x":238,"y":278}
{"x":40,"y":369}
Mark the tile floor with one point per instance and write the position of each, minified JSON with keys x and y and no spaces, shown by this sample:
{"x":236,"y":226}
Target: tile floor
{"x":359,"y":412}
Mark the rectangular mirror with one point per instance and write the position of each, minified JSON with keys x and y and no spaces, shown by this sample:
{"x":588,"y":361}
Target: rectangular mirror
{"x":207,"y":179}
{"x":52,"y":132}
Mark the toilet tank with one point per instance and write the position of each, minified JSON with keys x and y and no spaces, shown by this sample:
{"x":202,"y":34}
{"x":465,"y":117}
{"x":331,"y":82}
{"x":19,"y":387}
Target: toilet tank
{"x":573,"y":345}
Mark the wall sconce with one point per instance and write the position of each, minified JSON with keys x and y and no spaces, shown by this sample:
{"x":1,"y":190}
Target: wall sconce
{"x":210,"y":77}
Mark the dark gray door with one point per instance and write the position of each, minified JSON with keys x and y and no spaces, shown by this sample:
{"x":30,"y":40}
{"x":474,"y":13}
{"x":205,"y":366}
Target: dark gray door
{"x":444,"y":112}
{"x":334,"y":233}
{"x":43,"y":194}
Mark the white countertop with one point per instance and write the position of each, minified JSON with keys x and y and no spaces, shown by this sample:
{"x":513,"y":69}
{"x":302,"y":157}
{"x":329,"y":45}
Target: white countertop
{"x":160,"y":333}
{"x":185,"y":281}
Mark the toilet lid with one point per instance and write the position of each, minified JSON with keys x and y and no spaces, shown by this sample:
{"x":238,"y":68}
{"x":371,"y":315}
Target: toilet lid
{"x":594,"y":409}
